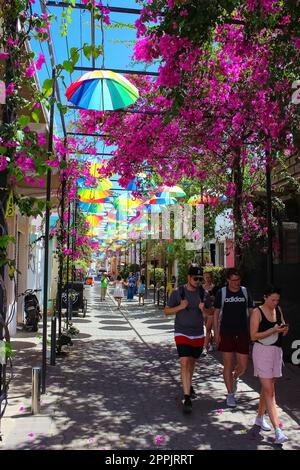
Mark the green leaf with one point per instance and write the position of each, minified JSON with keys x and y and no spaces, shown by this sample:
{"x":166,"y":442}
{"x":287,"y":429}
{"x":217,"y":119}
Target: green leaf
{"x":68,"y":66}
{"x":97,"y":51}
{"x":47,"y":87}
{"x":20,"y":136}
{"x":87,"y":50}
{"x":35,"y":116}
{"x":74,"y":54}
{"x":62,"y":108}
{"x":5,"y":240}
{"x":23,"y":120}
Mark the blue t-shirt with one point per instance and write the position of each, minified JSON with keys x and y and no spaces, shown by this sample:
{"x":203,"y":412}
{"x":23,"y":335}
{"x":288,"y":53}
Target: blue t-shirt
{"x":131,"y":281}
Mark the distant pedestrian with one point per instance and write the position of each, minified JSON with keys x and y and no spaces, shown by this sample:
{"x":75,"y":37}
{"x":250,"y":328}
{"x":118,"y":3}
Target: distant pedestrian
{"x":186,"y":303}
{"x":103,"y":283}
{"x":118,"y":292}
{"x":131,"y":282}
{"x":142,"y":289}
{"x":210,"y":290}
{"x":267,"y":326}
{"x":232,"y":336}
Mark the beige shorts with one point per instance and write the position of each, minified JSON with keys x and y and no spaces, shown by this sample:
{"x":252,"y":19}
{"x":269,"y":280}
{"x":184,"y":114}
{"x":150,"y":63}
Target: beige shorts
{"x":267,"y":361}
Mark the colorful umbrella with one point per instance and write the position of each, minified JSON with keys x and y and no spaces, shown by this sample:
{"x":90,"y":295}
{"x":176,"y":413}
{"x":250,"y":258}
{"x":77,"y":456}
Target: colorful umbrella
{"x":91,"y":208}
{"x":173,"y":191}
{"x":102,"y":90}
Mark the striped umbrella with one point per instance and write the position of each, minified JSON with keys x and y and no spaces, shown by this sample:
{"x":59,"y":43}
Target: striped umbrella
{"x":102,"y":90}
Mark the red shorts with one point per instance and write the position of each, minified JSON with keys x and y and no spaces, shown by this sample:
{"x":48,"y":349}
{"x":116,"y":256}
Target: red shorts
{"x":239,"y":343}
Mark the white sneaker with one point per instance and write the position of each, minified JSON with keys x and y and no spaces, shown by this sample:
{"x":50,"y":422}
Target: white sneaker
{"x":230,"y":401}
{"x":262,"y":423}
{"x":204,"y":352}
{"x":280,"y":438}
{"x":210,"y":348}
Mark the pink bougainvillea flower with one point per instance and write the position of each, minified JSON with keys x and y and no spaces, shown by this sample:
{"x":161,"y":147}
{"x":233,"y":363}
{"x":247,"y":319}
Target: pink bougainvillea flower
{"x":160,"y":440}
{"x":41,"y":139}
{"x":31,"y":435}
{"x":10,"y":88}
{"x":4,"y":55}
{"x":220,"y":411}
{"x":29,"y":72}
{"x":40,"y":61}
{"x":3,"y":163}
{"x":21,"y":408}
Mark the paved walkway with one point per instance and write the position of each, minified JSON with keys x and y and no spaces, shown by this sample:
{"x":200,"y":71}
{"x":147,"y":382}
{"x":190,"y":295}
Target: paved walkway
{"x":119,"y":388}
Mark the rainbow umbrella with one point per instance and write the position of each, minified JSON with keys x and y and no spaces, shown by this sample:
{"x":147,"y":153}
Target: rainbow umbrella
{"x":166,"y":199}
{"x":102,"y":90}
{"x":95,"y":208}
{"x":173,"y":191}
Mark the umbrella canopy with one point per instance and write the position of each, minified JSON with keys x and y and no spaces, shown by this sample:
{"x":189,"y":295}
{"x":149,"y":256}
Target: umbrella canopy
{"x":102,"y":90}
{"x":173,"y":191}
{"x":91,"y":208}
{"x":167,"y":199}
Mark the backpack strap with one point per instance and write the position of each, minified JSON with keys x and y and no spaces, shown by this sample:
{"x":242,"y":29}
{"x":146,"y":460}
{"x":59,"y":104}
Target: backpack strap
{"x":245,"y":294}
{"x":223,"y":295}
{"x":181,"y":292}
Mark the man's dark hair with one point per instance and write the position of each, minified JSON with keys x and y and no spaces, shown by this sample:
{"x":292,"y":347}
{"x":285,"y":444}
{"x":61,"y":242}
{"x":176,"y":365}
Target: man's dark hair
{"x":232,"y":272}
{"x":119,"y":278}
{"x":269,"y":290}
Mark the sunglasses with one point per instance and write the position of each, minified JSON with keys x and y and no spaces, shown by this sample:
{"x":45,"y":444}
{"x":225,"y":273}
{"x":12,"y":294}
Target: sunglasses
{"x":196,"y":278}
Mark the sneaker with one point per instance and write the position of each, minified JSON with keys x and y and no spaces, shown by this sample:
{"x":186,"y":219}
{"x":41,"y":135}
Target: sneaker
{"x":230,"y":401}
{"x":262,"y":423}
{"x":187,"y":405}
{"x":204,"y":352}
{"x":280,"y":438}
{"x":210,"y":348}
{"x":235,"y":385}
{"x":192,"y":393}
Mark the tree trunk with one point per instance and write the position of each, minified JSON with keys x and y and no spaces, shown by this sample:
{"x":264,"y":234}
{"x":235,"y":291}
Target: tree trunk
{"x":237,"y":207}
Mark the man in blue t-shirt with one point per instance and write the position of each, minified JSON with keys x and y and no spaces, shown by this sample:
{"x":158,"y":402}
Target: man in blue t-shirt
{"x":231,"y":330}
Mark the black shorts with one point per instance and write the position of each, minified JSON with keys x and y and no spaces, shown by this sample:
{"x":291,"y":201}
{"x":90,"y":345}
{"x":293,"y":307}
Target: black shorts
{"x":185,"y":350}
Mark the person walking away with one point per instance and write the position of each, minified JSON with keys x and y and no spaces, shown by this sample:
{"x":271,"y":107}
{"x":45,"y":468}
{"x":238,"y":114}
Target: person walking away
{"x":210,"y":290}
{"x":267,"y":326}
{"x":104,"y":284}
{"x":131,"y":286}
{"x":142,"y":289}
{"x":118,"y":292}
{"x":187,"y":303}
{"x":232,"y":337}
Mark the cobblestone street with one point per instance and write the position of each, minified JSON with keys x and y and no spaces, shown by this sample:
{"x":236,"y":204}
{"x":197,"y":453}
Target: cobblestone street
{"x":119,"y":388}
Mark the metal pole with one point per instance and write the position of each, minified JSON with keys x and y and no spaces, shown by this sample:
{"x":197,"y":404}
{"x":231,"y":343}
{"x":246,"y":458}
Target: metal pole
{"x":53,"y":341}
{"x":61,"y":256}
{"x":68,"y":267}
{"x":36,"y":389}
{"x":270,"y":271}
{"x":47,"y":229}
{"x":154,"y":281}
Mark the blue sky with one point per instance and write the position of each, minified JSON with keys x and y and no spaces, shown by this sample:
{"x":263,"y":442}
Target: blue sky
{"x":118,"y":47}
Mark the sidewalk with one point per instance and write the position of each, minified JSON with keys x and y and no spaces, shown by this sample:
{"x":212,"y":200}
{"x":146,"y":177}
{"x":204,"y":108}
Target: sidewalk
{"x":119,"y":388}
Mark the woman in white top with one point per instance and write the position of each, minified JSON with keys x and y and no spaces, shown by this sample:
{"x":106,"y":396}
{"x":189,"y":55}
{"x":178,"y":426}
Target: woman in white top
{"x":118,"y":293}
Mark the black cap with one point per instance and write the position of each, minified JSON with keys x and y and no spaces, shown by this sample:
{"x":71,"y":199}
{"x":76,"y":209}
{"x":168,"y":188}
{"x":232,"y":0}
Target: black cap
{"x":195,"y":271}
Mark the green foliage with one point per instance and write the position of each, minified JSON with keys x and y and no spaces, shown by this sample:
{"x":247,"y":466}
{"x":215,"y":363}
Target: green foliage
{"x":157,"y":275}
{"x":219,"y":274}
